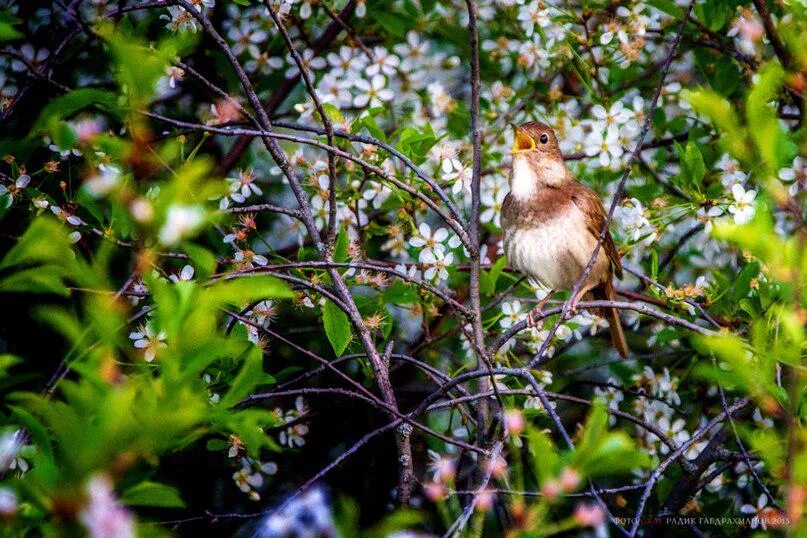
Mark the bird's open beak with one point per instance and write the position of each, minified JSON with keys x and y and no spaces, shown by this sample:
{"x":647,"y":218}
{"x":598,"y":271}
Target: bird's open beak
{"x":521,"y":141}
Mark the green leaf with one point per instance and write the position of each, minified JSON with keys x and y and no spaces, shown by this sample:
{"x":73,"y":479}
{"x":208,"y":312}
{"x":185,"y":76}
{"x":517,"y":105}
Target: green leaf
{"x":8,"y":32}
{"x":734,"y":136}
{"x":341,"y":247}
{"x":203,"y":261}
{"x":488,"y":280}
{"x":401,"y":294}
{"x":713,"y":14}
{"x":243,"y":290}
{"x":43,"y":258}
{"x":368,"y":122}
{"x":152,"y":494}
{"x":46,"y":279}
{"x":770,"y":136}
{"x":396,"y":23}
{"x":545,"y":457}
{"x":337,"y":327}
{"x":695,"y":166}
{"x":250,"y":375}
{"x":68,"y":104}
{"x":667,"y":6}
{"x":742,"y":284}
{"x":45,"y":241}
{"x":140,"y":64}
{"x":217,"y":445}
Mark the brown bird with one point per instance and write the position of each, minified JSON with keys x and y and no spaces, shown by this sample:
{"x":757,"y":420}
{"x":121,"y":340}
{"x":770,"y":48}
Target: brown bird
{"x":551,"y":225}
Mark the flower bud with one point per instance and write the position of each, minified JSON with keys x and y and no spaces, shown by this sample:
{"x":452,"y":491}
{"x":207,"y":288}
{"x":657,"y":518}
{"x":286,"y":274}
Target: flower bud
{"x":551,"y":489}
{"x":589,"y":515}
{"x":514,"y":422}
{"x":435,"y":491}
{"x":569,"y":479}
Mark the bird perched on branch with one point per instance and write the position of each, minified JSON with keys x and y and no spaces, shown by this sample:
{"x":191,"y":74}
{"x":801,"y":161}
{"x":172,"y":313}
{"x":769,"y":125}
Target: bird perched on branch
{"x":552,"y":224}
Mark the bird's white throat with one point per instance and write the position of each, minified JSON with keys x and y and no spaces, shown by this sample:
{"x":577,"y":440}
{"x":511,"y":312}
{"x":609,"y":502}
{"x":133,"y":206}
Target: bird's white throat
{"x":522,"y":179}
{"x":526,"y":179}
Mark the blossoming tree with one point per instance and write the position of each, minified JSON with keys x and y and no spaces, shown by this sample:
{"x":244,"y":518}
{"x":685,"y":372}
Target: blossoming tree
{"x":263,"y":238}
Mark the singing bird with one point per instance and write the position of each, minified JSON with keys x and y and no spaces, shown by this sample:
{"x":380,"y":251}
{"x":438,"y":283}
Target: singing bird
{"x":552,"y":223}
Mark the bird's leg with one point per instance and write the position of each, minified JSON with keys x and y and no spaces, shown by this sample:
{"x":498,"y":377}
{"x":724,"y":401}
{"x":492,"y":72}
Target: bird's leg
{"x":576,"y":298}
{"x":538,"y":308}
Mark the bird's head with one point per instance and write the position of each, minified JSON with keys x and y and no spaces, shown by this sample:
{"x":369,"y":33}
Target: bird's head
{"x":535,"y":140}
{"x":537,"y":159}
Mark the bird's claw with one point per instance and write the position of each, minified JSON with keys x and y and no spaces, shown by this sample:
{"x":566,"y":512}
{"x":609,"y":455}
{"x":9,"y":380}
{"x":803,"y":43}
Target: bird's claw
{"x":531,"y":319}
{"x":539,"y":308}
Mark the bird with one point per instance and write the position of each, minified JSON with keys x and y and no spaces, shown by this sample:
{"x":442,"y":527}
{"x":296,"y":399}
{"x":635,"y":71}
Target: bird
{"x":551,"y":224}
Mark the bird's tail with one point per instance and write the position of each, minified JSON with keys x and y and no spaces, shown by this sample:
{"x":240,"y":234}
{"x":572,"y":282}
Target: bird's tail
{"x":606,"y":292}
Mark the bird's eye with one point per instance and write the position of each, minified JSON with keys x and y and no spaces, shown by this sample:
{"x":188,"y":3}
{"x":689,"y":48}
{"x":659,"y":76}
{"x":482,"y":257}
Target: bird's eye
{"x":544,"y":138}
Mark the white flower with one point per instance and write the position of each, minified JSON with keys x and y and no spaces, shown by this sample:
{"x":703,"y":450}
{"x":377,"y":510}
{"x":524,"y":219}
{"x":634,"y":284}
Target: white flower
{"x":435,"y":263}
{"x":441,"y":101}
{"x":462,"y":177}
{"x":346,"y":63}
{"x":743,"y":206}
{"x":180,"y":20}
{"x":534,"y":402}
{"x":512,"y":313}
{"x":32,"y":56}
{"x":377,"y":193}
{"x":611,"y":395}
{"x":103,"y":516}
{"x":760,"y":512}
{"x":262,"y":314}
{"x":282,"y":8}
{"x":241,"y":187}
{"x":11,"y":446}
{"x":245,"y":479}
{"x":674,"y":431}
{"x":150,"y":342}
{"x":16,"y":188}
{"x":104,"y":181}
{"x":412,"y":52}
{"x":263,"y":63}
{"x":764,"y":423}
{"x":492,"y":201}
{"x":180,"y":222}
{"x":383,"y":62}
{"x":246,"y":37}
{"x":616,"y":115}
{"x":442,"y":467}
{"x":428,"y":240}
{"x":249,"y":259}
{"x":73,"y":220}
{"x":185,"y":274}
{"x":631,"y":217}
{"x":373,"y":92}
{"x":175,"y":74}
{"x":533,"y":14}
{"x":796,"y":175}
{"x":304,"y":515}
{"x":606,"y":144}
{"x":334,"y":90}
{"x":293,"y":435}
{"x":731,"y":172}
{"x":310,"y":62}
{"x":8,"y":502}
{"x":706,"y":216}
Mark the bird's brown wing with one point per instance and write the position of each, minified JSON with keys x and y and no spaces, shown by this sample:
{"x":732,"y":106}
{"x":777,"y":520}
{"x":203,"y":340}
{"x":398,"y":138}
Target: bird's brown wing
{"x":590,"y":204}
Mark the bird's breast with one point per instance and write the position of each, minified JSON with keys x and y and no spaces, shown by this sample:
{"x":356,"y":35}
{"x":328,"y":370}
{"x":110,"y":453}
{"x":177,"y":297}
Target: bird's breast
{"x":553,"y":252}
